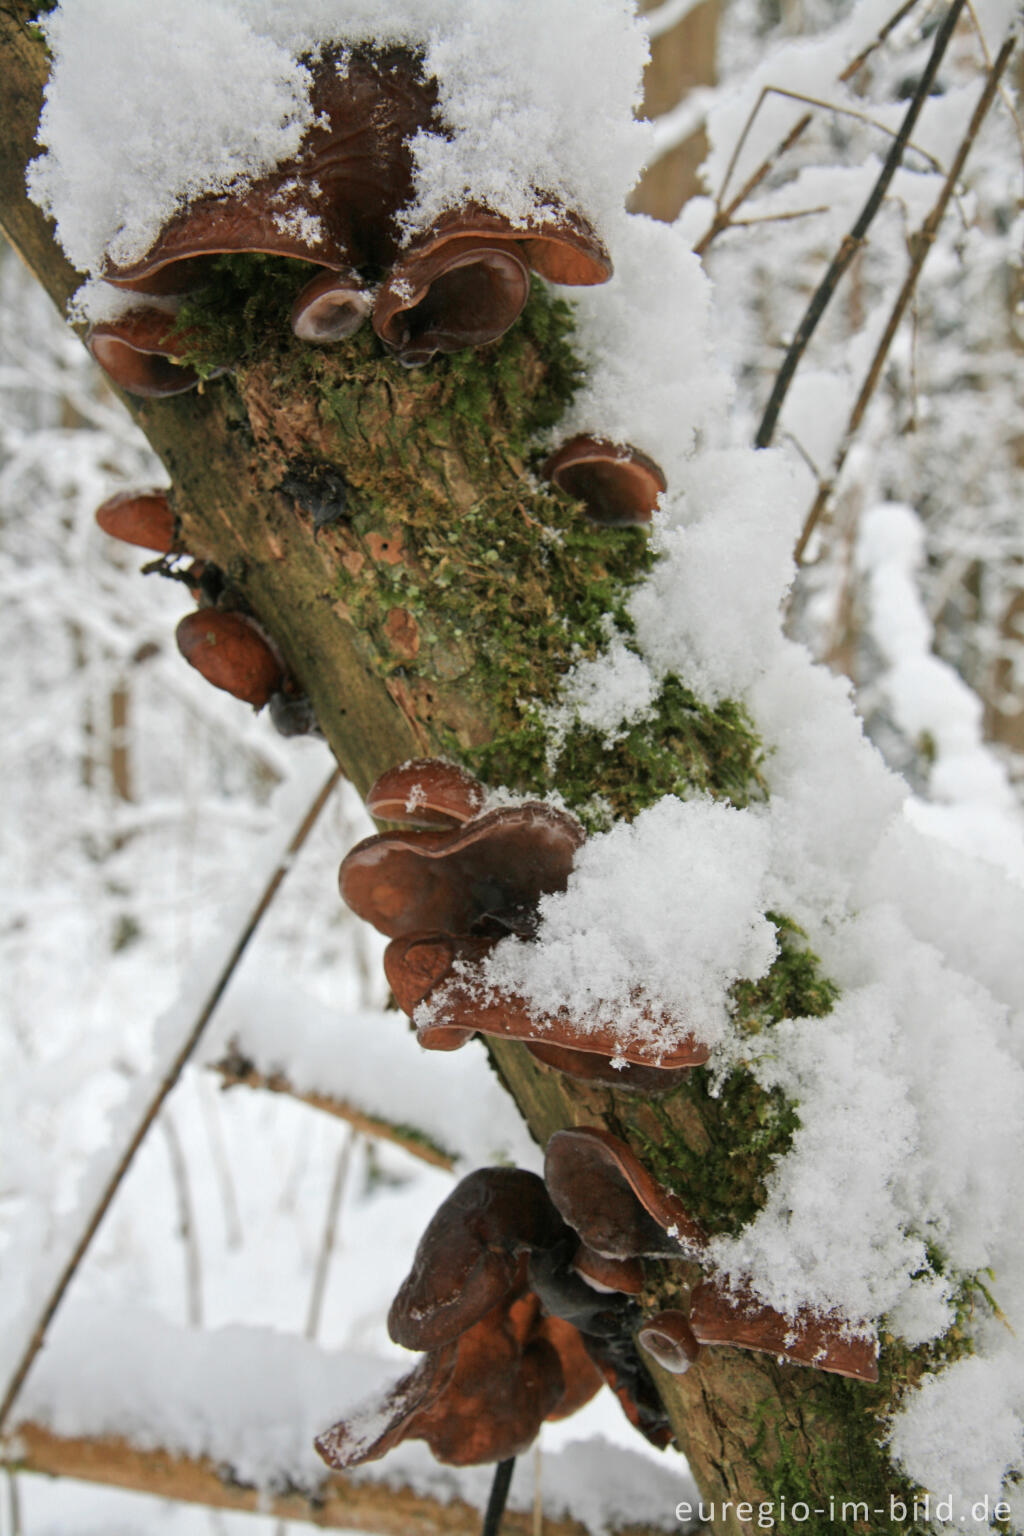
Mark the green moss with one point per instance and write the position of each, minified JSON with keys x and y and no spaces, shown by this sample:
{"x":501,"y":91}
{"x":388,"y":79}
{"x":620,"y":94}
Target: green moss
{"x":746,"y":1128}
{"x":244,"y":301}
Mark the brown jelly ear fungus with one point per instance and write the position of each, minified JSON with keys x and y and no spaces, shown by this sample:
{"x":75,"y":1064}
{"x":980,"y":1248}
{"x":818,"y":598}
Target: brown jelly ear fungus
{"x":494,"y":1367}
{"x":618,"y":485}
{"x":447,"y":893}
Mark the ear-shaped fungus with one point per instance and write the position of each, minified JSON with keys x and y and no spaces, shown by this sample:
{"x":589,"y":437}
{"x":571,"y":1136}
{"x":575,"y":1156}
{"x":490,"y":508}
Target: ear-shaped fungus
{"x":495,"y":1368}
{"x":138,"y":350}
{"x":466,"y":279}
{"x":618,"y":485}
{"x":231,"y":653}
{"x":447,"y":894}
{"x":332,"y":204}
{"x":472,"y":1255}
{"x":483,"y":878}
{"x":143,"y":518}
{"x":606,"y":1195}
{"x":668,"y":1338}
{"x":426,"y":792}
{"x":721,"y":1316}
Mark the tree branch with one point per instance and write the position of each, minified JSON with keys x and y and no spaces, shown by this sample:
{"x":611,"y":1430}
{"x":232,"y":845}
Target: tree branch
{"x":339,"y":1503}
{"x":920,"y":244}
{"x":853,"y":241}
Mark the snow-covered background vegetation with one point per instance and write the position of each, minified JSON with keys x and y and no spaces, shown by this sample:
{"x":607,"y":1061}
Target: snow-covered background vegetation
{"x":143,"y":814}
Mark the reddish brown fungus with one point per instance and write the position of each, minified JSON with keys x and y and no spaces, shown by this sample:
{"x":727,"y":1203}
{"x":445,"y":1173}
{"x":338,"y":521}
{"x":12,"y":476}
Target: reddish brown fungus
{"x":587,"y":1066}
{"x":472,"y":1255}
{"x":484,"y":877}
{"x":232,"y":653}
{"x":333,"y":203}
{"x":625,"y":1276}
{"x":465,"y":280}
{"x":330,"y":307}
{"x":606,"y":1195}
{"x":426,"y":792}
{"x":143,"y":518}
{"x":721,"y":1316}
{"x":138,"y":350}
{"x":618,"y":485}
{"x":668,"y":1338}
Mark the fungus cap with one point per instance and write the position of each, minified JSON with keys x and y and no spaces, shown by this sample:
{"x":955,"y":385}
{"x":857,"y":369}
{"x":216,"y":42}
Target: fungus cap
{"x":143,"y":518}
{"x":472,"y":1255}
{"x":719,"y":1315}
{"x":668,"y":1338}
{"x":232,"y":653}
{"x":606,"y":1195}
{"x":618,"y":485}
{"x":426,"y":792}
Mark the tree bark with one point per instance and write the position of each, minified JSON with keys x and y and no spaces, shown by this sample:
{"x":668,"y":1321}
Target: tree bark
{"x":416,"y":625}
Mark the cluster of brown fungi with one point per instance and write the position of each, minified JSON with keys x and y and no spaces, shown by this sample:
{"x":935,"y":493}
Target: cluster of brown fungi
{"x":526,"y":1294}
{"x":334,"y":206}
{"x":508,"y":1257}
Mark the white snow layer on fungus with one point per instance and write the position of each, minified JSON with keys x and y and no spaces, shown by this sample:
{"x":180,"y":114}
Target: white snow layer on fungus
{"x":143,"y":113}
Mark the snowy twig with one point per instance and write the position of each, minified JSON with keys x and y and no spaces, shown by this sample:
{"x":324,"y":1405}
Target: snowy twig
{"x":338,"y":1503}
{"x":151,"y":1111}
{"x":723,"y":216}
{"x":920,"y":244}
{"x":236,"y":1069}
{"x":853,"y":241}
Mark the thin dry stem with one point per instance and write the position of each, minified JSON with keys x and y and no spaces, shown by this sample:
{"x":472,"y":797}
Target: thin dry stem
{"x":723,"y":216}
{"x":186,"y":1222}
{"x":330,"y":1236}
{"x":920,"y":244}
{"x":853,"y":241}
{"x":185,"y":1051}
{"x":236,"y":1069}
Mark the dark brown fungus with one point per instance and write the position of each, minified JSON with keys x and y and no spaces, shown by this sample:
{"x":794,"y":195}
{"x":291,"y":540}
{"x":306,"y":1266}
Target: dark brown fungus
{"x":292,"y":713}
{"x":606,"y":1195}
{"x":618,"y":485}
{"x":495,"y":1368}
{"x":668,"y":1338}
{"x":447,"y":894}
{"x":143,"y":518}
{"x":137,"y":352}
{"x":721,"y":1316}
{"x":465,"y":280}
{"x":333,"y":203}
{"x":472,"y":1255}
{"x":604,"y":1274}
{"x":581,"y":1376}
{"x":426,"y":792}
{"x":232,"y":653}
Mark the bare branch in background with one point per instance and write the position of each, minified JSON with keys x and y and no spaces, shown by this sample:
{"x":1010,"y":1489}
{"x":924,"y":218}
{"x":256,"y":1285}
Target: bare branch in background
{"x":186,"y":1222}
{"x":920,"y":244}
{"x":236,"y":1069}
{"x":152,"y":1109}
{"x":723,"y":216}
{"x":339,"y":1503}
{"x":327,"y":1243}
{"x":853,"y":241}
